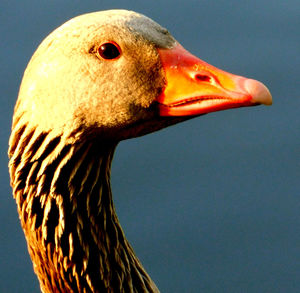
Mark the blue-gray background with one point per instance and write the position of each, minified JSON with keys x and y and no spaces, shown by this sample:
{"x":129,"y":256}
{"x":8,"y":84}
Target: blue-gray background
{"x":213,"y":204}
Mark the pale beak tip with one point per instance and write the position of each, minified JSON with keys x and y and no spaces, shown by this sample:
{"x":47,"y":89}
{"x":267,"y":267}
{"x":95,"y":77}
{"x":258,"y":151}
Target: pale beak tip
{"x":258,"y":91}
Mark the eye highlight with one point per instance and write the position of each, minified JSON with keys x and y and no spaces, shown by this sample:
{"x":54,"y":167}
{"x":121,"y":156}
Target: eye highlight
{"x":109,"y":51}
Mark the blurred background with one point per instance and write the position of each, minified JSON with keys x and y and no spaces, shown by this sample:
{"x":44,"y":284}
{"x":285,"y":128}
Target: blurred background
{"x":212,"y":204}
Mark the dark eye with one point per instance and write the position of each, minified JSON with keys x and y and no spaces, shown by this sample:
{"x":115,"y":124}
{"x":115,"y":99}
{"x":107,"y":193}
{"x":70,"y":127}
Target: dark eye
{"x":109,"y":51}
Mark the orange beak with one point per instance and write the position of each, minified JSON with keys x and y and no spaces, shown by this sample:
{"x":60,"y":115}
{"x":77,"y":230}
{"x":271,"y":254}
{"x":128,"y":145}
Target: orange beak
{"x":194,"y":87}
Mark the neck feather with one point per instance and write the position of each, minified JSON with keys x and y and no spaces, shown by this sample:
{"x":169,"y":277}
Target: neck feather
{"x":66,"y":210}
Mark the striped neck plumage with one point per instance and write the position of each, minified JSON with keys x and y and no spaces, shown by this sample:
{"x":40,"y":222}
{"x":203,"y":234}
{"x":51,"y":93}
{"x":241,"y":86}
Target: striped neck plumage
{"x":65,"y":205}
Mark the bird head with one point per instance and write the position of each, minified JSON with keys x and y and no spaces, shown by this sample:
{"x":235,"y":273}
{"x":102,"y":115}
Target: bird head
{"x":118,"y":74}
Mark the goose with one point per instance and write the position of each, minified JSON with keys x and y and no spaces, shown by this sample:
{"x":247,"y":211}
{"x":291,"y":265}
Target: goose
{"x":98,"y":79}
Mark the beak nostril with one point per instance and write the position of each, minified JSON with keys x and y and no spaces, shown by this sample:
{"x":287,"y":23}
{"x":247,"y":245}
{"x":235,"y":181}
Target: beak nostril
{"x":202,"y":77}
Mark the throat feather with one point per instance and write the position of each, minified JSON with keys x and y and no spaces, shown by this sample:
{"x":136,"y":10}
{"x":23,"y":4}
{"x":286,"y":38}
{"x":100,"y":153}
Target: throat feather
{"x":65,"y":204}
